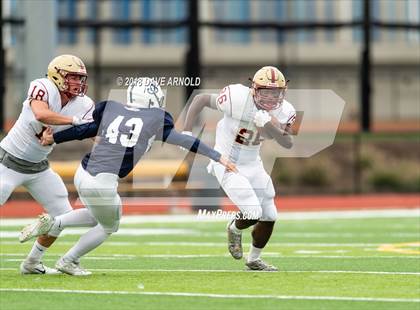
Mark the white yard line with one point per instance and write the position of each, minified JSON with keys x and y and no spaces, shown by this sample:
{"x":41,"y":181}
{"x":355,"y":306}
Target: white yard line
{"x":193,"y":294}
{"x":309,"y":215}
{"x":280,"y":244}
{"x":216,"y":244}
{"x":348,"y":235}
{"x":121,"y":232}
{"x":352,"y":257}
{"x":54,"y":260}
{"x":96,"y":256}
{"x":247,"y":271}
{"x":9,"y":234}
{"x":110,"y":243}
{"x":268,"y":254}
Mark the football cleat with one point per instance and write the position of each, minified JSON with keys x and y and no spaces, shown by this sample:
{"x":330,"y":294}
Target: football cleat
{"x":40,"y":227}
{"x":71,"y":268}
{"x":260,"y":265}
{"x":36,"y":268}
{"x":234,"y":242}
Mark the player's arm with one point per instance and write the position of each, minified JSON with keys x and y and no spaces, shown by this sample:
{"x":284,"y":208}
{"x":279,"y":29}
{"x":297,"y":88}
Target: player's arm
{"x":190,"y":143}
{"x":171,"y":136}
{"x":269,"y":123}
{"x":282,"y":136}
{"x":38,"y":99}
{"x":197,"y":105}
{"x":196,"y":146}
{"x":79,"y":132}
{"x":44,"y":115}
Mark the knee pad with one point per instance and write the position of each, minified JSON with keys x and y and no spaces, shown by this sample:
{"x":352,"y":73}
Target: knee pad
{"x":269,"y":211}
{"x":249,"y":205}
{"x":251,"y":212}
{"x":59,"y":206}
{"x":111,"y":229}
{"x":108,"y":217}
{"x":54,"y":232}
{"x":246,"y":200}
{"x":268,"y":192}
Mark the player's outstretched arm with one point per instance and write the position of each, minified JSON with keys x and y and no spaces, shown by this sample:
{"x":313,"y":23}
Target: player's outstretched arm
{"x":196,"y":146}
{"x":80,"y":132}
{"x":44,"y":115}
{"x":84,"y":131}
{"x":171,"y":136}
{"x":197,"y":105}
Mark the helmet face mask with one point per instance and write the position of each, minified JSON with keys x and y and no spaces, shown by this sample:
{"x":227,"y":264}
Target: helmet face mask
{"x":75,"y":84}
{"x":269,"y":98}
{"x":146,"y":93}
{"x":268,"y":88}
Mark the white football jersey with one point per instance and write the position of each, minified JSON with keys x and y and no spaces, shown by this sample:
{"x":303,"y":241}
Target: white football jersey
{"x":22,"y":140}
{"x":236,"y":133}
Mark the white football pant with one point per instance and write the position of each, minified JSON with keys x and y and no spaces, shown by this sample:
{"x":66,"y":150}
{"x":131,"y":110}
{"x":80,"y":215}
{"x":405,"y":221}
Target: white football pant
{"x":46,"y":187}
{"x":251,"y":190}
{"x":99,"y":194}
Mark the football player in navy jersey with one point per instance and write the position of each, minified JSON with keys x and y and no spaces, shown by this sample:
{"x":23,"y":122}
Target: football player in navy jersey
{"x":124,"y":133}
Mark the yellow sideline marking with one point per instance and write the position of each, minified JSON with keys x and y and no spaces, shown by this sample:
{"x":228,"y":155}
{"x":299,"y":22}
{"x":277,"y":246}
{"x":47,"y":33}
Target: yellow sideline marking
{"x":400,"y":248}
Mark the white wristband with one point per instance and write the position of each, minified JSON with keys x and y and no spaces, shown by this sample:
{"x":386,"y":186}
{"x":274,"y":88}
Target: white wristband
{"x":79,"y":121}
{"x":188,"y":133}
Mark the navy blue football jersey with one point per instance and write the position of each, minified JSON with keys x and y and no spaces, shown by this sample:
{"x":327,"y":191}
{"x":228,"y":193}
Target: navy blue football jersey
{"x":124,"y":134}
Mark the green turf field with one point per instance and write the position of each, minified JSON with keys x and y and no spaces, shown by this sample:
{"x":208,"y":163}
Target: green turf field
{"x":325,"y":264}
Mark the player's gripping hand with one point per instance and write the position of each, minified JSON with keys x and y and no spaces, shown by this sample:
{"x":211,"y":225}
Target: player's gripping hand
{"x":47,"y":137}
{"x":261,"y":118}
{"x":230,"y":166}
{"x":79,"y":121}
{"x":188,"y":133}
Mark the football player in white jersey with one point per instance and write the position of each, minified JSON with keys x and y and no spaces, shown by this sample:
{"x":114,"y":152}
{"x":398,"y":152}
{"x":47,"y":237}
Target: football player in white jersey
{"x":250,"y":115}
{"x":58,"y":101}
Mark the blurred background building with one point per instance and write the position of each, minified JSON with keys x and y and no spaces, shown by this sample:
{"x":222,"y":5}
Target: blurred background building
{"x":321,"y":59}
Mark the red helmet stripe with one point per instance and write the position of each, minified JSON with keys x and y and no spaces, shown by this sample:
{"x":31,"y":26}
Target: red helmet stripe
{"x":273,"y":76}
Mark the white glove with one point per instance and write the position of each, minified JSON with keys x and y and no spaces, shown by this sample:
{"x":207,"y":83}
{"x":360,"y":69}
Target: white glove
{"x":79,"y":121}
{"x":261,"y":118}
{"x":188,"y":133}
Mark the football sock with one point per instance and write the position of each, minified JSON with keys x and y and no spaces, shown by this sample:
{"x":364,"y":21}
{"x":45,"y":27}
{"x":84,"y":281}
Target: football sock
{"x":37,"y":252}
{"x":75,"y":218}
{"x":254,"y":253}
{"x":89,"y":241}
